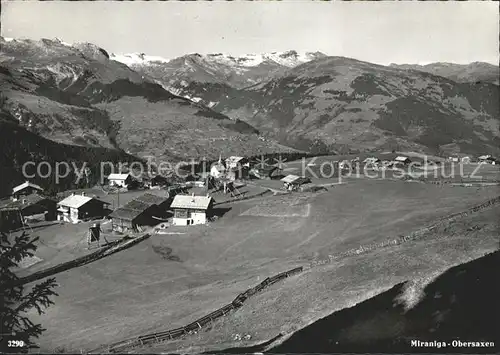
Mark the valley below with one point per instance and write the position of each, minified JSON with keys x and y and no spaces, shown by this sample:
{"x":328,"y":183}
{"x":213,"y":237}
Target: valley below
{"x":385,"y":259}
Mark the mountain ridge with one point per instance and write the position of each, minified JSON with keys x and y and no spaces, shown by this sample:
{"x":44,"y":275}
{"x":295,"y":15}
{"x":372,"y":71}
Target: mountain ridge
{"x":346,"y":102}
{"x":77,"y":95}
{"x":472,"y":72}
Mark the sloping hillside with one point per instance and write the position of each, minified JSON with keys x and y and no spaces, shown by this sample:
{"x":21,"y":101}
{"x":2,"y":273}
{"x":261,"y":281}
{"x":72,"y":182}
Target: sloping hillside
{"x":341,"y":102}
{"x":18,"y":146}
{"x":76,"y":95}
{"x":461,"y":304}
{"x":462,"y":73}
{"x":218,"y":68}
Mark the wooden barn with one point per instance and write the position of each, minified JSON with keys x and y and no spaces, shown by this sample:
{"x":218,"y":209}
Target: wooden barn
{"x":402,"y":160}
{"x":146,"y":210}
{"x":25,"y":189}
{"x":266,"y":172}
{"x":235,"y":162}
{"x":156,"y":181}
{"x":190,"y":210}
{"x":35,"y":207}
{"x":293,"y":182}
{"x":76,"y":208}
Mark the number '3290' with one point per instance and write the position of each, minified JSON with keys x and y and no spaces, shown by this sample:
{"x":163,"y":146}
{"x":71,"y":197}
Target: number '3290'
{"x":15,"y":343}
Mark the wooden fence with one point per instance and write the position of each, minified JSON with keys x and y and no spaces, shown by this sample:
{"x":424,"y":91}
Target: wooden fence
{"x":199,"y":323}
{"x":109,"y":249}
{"x":412,"y":236}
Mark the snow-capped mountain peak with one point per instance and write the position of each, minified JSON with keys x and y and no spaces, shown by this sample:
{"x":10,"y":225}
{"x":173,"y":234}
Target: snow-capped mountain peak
{"x":137,"y":59}
{"x":289,"y":58}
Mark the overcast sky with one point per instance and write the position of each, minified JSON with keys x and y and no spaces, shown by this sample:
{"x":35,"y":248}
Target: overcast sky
{"x":379,"y":32}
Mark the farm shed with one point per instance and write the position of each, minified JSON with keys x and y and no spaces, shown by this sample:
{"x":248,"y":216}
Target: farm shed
{"x":26,"y":188}
{"x":155,"y":181}
{"x":293,"y":182}
{"x":35,"y":207}
{"x":266,"y":172}
{"x":402,"y":160}
{"x":234,"y":162}
{"x":145,"y":210}
{"x":189,"y":210}
{"x":134,"y":215}
{"x":76,"y":208}
{"x":488,"y":159}
{"x":150,"y":199}
{"x":119,"y":180}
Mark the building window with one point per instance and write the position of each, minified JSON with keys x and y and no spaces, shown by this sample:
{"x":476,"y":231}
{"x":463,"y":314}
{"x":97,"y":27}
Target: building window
{"x":181,"y":213}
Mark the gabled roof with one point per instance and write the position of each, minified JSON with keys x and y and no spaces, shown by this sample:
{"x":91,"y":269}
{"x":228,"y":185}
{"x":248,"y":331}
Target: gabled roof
{"x":234,"y":159}
{"x":75,"y":201}
{"x":151,"y":199}
{"x":137,"y":206}
{"x":194,"y":202}
{"x":118,"y":176}
{"x":130,"y":211}
{"x":128,"y":214}
{"x":24,"y":202}
{"x":401,"y":158}
{"x":25,"y":185}
{"x":290,"y":178}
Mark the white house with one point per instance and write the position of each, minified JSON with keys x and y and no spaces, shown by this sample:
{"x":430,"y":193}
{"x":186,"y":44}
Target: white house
{"x":484,"y":157}
{"x":454,"y":159}
{"x":76,"y":208}
{"x":402,"y":160}
{"x":293,"y":182}
{"x":120,"y":180}
{"x":487,"y":159}
{"x":218,"y":170}
{"x":190,"y":210}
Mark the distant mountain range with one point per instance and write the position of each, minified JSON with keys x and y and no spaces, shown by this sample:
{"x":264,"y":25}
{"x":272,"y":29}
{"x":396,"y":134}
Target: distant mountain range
{"x":462,"y":73}
{"x":312,"y":101}
{"x":75,"y":94}
{"x":206,"y":105}
{"x":238,"y":72}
